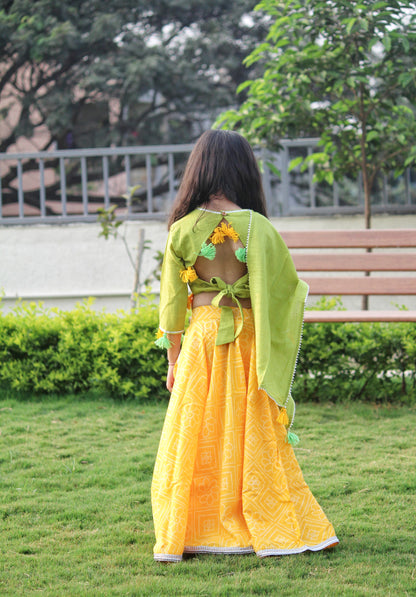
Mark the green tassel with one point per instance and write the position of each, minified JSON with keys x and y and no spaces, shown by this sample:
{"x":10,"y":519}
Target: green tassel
{"x":163,"y":342}
{"x":208,"y":251}
{"x":292,"y":438}
{"x":241,"y":254}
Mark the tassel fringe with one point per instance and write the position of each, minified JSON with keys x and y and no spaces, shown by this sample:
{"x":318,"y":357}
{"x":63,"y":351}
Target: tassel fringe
{"x":292,"y":439}
{"x":188,"y":275}
{"x":208,"y":251}
{"x":283,"y":419}
{"x":220,"y":232}
{"x":241,"y":254}
{"x":162,"y":340}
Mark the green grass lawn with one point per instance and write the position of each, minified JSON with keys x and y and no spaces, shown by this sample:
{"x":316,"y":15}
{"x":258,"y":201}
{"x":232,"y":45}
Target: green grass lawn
{"x":76,"y":519}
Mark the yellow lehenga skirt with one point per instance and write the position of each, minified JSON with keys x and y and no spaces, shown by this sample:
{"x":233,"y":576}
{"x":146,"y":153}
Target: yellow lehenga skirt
{"x":225,"y":479}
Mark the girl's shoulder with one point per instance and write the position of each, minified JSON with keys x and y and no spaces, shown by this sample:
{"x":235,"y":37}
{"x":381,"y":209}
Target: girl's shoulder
{"x":185,"y":221}
{"x":263,"y":224}
{"x":203,"y":219}
{"x":266,"y":235}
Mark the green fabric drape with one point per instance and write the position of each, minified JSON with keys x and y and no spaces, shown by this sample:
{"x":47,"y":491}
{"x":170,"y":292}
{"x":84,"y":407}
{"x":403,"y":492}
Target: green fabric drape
{"x":240,"y":289}
{"x":277,"y":295}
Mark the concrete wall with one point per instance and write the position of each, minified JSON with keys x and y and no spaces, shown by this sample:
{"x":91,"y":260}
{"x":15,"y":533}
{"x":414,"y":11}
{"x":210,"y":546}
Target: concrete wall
{"x":61,"y":265}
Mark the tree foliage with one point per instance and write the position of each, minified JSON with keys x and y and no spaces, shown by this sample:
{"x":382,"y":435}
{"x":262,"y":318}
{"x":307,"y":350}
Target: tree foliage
{"x":124,"y":72}
{"x":168,"y":59}
{"x":343,"y":70}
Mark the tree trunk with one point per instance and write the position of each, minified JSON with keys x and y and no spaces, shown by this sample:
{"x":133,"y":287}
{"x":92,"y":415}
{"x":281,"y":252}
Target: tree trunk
{"x":367,"y":221}
{"x":137,"y":268}
{"x":367,"y":197}
{"x":366,"y":182}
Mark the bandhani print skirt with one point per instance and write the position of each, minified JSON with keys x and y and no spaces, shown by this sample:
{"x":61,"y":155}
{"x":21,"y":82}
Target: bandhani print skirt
{"x":225,"y":479}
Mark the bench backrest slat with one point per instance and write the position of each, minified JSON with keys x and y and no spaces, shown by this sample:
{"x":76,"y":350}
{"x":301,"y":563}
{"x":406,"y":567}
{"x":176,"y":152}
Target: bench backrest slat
{"x":337,"y":239}
{"x":361,"y":286}
{"x":364,"y":263}
{"x":340,"y":316}
{"x":381,"y":262}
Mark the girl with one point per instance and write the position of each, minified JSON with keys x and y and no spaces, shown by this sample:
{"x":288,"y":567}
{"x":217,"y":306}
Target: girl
{"x":226,"y":479}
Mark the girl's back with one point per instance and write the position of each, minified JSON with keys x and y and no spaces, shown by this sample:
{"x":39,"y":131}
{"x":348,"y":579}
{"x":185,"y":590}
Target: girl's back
{"x":224,"y":265}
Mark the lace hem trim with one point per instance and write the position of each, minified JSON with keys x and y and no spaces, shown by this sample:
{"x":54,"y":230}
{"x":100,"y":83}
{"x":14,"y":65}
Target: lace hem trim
{"x":167,"y":557}
{"x":226,"y":211}
{"x":171,"y":332}
{"x":218,"y":550}
{"x":262,"y":553}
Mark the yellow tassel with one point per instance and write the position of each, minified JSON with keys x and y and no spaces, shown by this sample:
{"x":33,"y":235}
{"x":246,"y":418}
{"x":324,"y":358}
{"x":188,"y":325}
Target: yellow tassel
{"x":163,"y":341}
{"x":229,"y":231}
{"x":283,"y":418}
{"x":159,"y":333}
{"x":188,"y":275}
{"x":217,"y":236}
{"x":192,"y":275}
{"x":220,"y":232}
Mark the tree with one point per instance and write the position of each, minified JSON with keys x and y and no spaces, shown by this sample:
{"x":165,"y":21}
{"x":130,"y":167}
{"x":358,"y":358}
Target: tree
{"x":342,"y":70}
{"x":91,"y":73}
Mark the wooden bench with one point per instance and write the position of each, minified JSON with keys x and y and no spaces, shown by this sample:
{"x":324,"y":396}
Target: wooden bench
{"x":339,"y":260}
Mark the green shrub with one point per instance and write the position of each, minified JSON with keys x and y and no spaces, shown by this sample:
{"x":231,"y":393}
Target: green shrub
{"x":51,"y":351}
{"x":47,"y":351}
{"x":357,"y":361}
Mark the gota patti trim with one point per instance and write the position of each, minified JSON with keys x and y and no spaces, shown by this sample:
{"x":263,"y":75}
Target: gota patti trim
{"x":169,"y":332}
{"x":284,"y":405}
{"x":166,"y":557}
{"x":224,"y":211}
{"x":299,"y":348}
{"x":217,"y":550}
{"x":249,"y":228}
{"x":263,"y":553}
{"x":247,"y":241}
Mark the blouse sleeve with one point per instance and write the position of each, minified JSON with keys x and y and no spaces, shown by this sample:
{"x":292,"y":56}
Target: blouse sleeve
{"x":173,"y":296}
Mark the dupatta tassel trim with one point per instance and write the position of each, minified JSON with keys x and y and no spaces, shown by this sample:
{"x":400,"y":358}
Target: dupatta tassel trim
{"x":283,"y":419}
{"x":207,"y":251}
{"x":223,"y":231}
{"x":162,"y":340}
{"x":241,"y":254}
{"x":189,"y":274}
{"x":292,"y":439}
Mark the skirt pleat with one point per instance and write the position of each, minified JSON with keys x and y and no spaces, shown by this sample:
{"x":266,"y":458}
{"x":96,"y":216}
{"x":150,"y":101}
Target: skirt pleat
{"x":225,"y":478}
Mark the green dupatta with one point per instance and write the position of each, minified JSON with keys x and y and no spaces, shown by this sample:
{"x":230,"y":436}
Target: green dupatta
{"x":277,"y":295}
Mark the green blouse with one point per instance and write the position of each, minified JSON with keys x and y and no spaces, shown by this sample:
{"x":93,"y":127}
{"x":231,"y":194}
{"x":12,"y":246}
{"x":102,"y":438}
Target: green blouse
{"x":277,"y":295}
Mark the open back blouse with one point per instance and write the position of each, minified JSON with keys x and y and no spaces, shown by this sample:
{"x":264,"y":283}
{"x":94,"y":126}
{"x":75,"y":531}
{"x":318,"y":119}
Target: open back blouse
{"x":262,"y":270}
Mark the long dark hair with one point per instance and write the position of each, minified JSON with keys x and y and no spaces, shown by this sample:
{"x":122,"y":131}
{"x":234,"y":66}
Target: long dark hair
{"x":222,"y":162}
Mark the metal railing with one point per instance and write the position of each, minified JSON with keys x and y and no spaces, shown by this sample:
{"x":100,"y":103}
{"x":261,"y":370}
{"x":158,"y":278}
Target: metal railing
{"x":65,"y":186}
{"x":55,"y":202}
{"x":295,"y":193}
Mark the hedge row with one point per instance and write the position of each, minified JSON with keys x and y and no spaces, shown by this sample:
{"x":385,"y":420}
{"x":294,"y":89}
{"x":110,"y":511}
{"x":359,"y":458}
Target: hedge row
{"x":50,"y":351}
{"x":46,"y":351}
{"x":374,"y":362}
